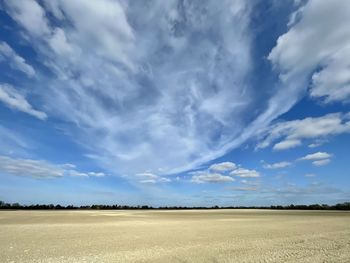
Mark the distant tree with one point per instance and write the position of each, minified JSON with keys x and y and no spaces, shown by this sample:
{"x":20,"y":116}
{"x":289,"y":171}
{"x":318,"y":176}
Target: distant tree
{"x":340,"y":206}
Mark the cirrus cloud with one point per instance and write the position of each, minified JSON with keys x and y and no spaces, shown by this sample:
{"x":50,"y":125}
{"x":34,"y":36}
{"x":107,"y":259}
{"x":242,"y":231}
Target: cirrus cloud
{"x":15,"y":100}
{"x":15,"y":61}
{"x":159,"y":86}
{"x":40,"y":169}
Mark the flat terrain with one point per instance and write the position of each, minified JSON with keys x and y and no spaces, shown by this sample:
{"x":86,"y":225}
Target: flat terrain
{"x":175,"y":236}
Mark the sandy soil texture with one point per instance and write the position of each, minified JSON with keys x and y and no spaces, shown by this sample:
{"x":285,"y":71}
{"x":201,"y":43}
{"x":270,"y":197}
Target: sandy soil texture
{"x":175,"y":236}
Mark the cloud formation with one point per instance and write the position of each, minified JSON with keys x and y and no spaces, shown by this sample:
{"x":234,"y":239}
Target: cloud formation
{"x":291,"y":133}
{"x":299,"y":53}
{"x":318,"y":158}
{"x":15,"y":100}
{"x":150,"y":178}
{"x":245,"y":173}
{"x":222,"y":172}
{"x":29,"y":14}
{"x":278,"y":165}
{"x":222,"y":167}
{"x":11,"y":140}
{"x":290,"y":192}
{"x":148,"y":86}
{"x":16,"y":62}
{"x":321,"y":162}
{"x":205,"y":177}
{"x":40,"y":169}
{"x":157,"y":86}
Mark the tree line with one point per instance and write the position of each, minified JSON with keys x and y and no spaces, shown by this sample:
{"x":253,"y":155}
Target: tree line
{"x":4,"y":205}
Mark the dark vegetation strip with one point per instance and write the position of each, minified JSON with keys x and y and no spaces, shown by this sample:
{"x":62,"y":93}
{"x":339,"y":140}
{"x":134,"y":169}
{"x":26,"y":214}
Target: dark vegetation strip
{"x":3,"y":205}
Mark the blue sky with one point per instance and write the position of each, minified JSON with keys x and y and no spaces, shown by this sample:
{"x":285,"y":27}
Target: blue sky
{"x":174,"y":102}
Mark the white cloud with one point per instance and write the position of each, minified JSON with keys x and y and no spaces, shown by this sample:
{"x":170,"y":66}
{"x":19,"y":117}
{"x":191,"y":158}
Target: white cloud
{"x":287,"y":144}
{"x":29,"y":14}
{"x":222,"y":172}
{"x":164,"y":82}
{"x":54,"y":8}
{"x":314,"y":145}
{"x":204,"y":177}
{"x":277,"y":165}
{"x":321,"y":162}
{"x":15,"y":100}
{"x":117,"y":67}
{"x":291,"y":133}
{"x":59,"y":42}
{"x":222,"y":167}
{"x":317,"y":143}
{"x":15,"y":61}
{"x":103,"y":23}
{"x":245,"y":173}
{"x":316,"y":156}
{"x":96,"y":174}
{"x":299,"y":53}
{"x":38,"y":169}
{"x":82,"y":174}
{"x":293,"y":190}
{"x":150,"y":178}
{"x":164,"y":180}
{"x":30,"y":168}
{"x":147,"y":175}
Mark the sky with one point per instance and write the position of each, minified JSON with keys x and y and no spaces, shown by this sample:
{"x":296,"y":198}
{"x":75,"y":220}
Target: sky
{"x":186,"y":103}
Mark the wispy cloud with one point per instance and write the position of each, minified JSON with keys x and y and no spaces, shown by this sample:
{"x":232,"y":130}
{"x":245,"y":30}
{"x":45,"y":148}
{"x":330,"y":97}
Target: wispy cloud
{"x":15,"y":100}
{"x":316,"y":156}
{"x":150,"y":178}
{"x":10,"y":140}
{"x":40,"y":169}
{"x":244,"y":188}
{"x":8,"y":55}
{"x":245,"y":173}
{"x":321,"y":162}
{"x":168,"y":90}
{"x":318,"y":159}
{"x":28,"y":14}
{"x":291,"y":133}
{"x":165,"y":83}
{"x":290,"y":191}
{"x":222,"y":167}
{"x":206,"y":177}
{"x":277,"y":165}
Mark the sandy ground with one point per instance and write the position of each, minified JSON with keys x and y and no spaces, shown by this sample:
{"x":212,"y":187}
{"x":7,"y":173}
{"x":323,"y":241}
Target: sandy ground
{"x":175,"y":236}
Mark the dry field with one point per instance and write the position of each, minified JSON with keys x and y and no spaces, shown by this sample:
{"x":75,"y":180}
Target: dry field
{"x":175,"y":236}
